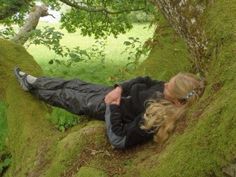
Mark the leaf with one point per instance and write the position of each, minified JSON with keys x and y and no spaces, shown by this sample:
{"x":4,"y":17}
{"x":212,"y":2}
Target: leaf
{"x":131,"y":38}
{"x":127,"y":43}
{"x":57,"y":61}
{"x":51,"y":62}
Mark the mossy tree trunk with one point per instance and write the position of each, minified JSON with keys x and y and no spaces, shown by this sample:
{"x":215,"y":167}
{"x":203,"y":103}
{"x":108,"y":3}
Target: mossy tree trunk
{"x":186,"y":17}
{"x":30,"y":135}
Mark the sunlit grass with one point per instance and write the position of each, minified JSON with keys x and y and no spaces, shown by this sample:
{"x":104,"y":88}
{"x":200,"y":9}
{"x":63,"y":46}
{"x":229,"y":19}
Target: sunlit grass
{"x":93,"y":70}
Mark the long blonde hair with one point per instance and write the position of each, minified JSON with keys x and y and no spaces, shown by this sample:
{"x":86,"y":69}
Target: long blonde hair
{"x":161,"y":115}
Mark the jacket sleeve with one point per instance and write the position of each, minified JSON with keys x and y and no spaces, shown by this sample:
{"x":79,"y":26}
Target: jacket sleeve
{"x":117,"y":125}
{"x":123,"y":135}
{"x":114,"y":126}
{"x":127,"y":85}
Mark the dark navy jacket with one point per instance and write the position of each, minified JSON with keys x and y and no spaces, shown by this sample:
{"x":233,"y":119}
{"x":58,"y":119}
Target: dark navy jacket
{"x":125,"y":119}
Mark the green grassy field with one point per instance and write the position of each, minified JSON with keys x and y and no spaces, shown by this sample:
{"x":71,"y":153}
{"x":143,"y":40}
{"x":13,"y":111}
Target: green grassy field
{"x":93,"y":70}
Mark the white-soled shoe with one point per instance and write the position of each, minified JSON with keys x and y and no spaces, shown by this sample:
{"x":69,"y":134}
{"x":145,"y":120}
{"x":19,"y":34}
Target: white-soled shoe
{"x":22,"y":79}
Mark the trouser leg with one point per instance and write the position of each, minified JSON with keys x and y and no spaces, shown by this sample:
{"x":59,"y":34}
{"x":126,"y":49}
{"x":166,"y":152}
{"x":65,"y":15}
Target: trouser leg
{"x":47,"y":83}
{"x":68,"y":99}
{"x":76,"y":96}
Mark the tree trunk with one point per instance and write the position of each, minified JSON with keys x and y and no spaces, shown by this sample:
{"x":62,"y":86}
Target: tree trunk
{"x":30,"y":133}
{"x":187,"y":19}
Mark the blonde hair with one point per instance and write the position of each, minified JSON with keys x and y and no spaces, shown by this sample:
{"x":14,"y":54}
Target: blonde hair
{"x":162,"y":115}
{"x":188,"y":87}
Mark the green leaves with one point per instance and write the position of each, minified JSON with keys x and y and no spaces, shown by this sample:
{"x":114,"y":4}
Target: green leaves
{"x":63,"y":119}
{"x":99,"y":18}
{"x":49,"y":37}
{"x":5,"y":161}
{"x":135,"y":50}
{"x":111,"y":17}
{"x":75,"y":55}
{"x":7,"y":32}
{"x":127,"y":43}
{"x":97,"y":24}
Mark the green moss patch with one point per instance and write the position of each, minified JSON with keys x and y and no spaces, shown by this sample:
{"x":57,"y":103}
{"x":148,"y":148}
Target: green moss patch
{"x":169,"y":55}
{"x":29,"y":133}
{"x":72,"y":149}
{"x":91,"y":172}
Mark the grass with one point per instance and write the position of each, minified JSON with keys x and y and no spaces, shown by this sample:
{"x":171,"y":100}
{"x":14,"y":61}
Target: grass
{"x":92,"y":70}
{"x":168,"y":57}
{"x":63,"y":119}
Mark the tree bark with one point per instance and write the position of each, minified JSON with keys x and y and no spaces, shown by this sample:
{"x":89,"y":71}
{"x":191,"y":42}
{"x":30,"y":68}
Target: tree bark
{"x":186,"y":19}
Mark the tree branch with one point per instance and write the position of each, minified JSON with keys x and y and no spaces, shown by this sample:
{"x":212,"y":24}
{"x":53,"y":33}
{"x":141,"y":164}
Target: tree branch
{"x":31,"y":24}
{"x":85,"y":7}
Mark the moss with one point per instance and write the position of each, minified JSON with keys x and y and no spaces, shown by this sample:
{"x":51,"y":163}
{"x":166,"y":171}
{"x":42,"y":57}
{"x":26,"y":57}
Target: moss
{"x":70,"y":149}
{"x":205,"y":147}
{"x":91,"y":172}
{"x":3,"y":124}
{"x":169,"y":55}
{"x":28,"y":131}
{"x":5,"y":157}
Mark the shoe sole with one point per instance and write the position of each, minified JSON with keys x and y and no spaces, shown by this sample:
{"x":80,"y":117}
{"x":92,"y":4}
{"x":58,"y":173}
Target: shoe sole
{"x":20,"y":79}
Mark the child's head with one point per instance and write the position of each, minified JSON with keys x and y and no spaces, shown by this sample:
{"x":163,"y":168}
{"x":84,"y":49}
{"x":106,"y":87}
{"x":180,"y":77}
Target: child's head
{"x":183,"y":88}
{"x":161,"y":115}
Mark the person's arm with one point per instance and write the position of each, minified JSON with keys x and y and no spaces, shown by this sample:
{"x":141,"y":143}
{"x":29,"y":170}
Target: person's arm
{"x":115,"y":116}
{"x":126,"y":85}
{"x":115,"y":126}
{"x":123,"y":88}
{"x":123,"y":135}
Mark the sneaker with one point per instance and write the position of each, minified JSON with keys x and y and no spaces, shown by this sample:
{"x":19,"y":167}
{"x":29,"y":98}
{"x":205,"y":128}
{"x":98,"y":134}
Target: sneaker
{"x":22,"y":79}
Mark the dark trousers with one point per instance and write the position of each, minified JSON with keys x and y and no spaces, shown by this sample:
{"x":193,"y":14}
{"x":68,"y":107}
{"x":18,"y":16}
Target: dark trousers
{"x":76,"y":96}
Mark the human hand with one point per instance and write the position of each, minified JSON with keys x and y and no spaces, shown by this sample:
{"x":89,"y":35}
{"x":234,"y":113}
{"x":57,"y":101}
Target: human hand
{"x":114,"y":96}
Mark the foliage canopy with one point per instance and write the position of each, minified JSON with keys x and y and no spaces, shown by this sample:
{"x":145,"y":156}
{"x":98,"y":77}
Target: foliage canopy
{"x":99,"y":18}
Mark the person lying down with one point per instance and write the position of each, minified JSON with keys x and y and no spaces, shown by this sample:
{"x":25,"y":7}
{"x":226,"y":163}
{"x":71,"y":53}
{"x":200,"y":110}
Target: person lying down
{"x":134,"y":111}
